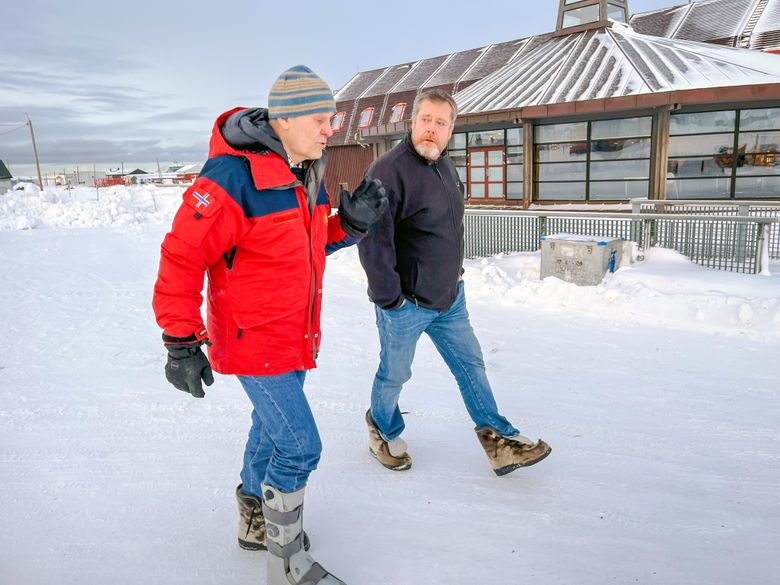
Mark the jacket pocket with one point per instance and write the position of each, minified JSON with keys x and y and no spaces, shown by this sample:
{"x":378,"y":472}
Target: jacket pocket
{"x":410,"y":279}
{"x":265,"y":341}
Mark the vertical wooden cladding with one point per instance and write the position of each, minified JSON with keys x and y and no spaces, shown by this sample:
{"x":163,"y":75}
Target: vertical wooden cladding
{"x":346,"y":164}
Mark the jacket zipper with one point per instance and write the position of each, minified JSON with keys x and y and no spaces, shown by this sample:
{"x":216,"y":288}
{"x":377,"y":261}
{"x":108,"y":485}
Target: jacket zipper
{"x":452,"y":210}
{"x":447,"y":193}
{"x":311,"y":263}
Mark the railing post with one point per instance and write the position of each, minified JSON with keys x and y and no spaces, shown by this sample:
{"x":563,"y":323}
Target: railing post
{"x":762,"y":251}
{"x":542,"y":231}
{"x":650,"y":234}
{"x":740,"y":252}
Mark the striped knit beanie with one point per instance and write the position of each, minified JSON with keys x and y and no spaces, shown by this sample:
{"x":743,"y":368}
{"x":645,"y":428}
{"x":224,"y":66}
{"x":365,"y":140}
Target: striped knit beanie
{"x":299,"y":92}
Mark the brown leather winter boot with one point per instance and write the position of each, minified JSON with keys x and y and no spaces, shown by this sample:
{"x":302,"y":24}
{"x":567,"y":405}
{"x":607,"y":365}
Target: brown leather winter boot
{"x":392,"y":455}
{"x":251,"y":522}
{"x":507,"y":454}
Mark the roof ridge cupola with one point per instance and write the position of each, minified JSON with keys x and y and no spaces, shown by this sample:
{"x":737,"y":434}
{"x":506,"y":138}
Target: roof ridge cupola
{"x":578,"y":15}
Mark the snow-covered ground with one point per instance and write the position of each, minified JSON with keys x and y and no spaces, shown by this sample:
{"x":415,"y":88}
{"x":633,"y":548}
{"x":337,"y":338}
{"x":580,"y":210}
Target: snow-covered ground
{"x":658,"y":391}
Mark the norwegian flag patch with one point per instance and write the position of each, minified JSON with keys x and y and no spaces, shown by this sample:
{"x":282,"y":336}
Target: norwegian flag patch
{"x":201,"y":199}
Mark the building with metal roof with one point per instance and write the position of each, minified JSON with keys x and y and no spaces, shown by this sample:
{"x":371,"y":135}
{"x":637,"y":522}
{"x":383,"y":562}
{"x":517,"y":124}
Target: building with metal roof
{"x":613,"y":61}
{"x":750,"y":24}
{"x":603,"y":109}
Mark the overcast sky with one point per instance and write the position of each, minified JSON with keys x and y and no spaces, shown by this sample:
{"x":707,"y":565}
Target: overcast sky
{"x":107,"y":82}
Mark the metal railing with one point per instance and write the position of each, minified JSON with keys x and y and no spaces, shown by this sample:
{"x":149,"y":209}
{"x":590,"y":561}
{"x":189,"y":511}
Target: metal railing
{"x":735,"y":243}
{"x":742,"y":208}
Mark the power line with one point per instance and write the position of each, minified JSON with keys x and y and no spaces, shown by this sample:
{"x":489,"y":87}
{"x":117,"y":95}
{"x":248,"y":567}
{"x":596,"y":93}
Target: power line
{"x":12,"y":129}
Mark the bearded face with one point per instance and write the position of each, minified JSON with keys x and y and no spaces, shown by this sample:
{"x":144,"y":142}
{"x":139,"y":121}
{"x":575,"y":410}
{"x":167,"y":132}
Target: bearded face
{"x":432,"y":128}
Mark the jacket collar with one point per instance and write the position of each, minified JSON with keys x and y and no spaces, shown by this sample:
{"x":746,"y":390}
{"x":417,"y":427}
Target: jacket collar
{"x":269,"y":170}
{"x":410,"y":147}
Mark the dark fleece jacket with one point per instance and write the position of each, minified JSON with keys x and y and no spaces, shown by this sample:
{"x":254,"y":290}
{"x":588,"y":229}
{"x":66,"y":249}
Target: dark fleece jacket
{"x":415,"y":251}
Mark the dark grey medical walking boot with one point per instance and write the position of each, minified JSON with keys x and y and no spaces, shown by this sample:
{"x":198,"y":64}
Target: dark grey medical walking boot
{"x":288,"y":562}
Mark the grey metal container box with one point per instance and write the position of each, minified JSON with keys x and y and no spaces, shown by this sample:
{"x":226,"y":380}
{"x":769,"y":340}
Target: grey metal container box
{"x":583,"y":260}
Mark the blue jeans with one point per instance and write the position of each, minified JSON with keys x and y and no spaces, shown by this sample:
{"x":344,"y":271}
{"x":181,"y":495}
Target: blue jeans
{"x":453,"y":336}
{"x":284,"y":445}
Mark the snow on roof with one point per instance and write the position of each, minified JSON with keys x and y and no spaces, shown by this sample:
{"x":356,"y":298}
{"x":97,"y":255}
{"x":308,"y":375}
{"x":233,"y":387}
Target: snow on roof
{"x":431,"y":72}
{"x":711,"y":20}
{"x":748,"y":23}
{"x":190,"y":168}
{"x":611,"y":62}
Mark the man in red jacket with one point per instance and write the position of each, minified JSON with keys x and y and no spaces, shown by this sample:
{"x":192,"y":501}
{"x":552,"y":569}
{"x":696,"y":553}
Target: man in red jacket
{"x":257,"y":221}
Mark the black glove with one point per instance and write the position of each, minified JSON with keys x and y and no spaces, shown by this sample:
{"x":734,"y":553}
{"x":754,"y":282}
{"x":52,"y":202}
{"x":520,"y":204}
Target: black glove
{"x":360,"y":210}
{"x":188,"y":365}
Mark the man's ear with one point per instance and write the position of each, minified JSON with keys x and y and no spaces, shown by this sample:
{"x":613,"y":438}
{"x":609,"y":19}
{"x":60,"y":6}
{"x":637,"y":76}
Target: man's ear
{"x":284,"y":123}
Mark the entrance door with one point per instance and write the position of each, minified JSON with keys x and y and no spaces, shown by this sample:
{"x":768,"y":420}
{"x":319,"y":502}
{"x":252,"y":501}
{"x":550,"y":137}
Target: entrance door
{"x":487,"y":175}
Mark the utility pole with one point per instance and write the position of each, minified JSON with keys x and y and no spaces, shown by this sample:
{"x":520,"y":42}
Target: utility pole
{"x":95,"y":181}
{"x":35,"y":151}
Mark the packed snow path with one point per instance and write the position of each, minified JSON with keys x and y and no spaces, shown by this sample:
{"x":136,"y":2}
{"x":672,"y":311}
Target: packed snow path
{"x":666,"y":454}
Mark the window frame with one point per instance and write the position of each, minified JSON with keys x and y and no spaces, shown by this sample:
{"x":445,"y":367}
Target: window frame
{"x":586,"y":143}
{"x":367,"y":123}
{"x":343,"y":115}
{"x":400,"y":117}
{"x":739,"y":158}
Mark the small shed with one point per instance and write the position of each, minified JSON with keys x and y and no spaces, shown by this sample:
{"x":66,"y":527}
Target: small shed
{"x":5,"y":178}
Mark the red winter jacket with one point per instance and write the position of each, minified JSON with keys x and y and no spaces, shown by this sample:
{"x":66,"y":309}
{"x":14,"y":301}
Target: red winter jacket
{"x":246,"y":222}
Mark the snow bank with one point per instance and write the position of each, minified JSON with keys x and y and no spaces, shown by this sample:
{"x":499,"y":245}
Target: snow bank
{"x":31,"y":208}
{"x":666,"y":289}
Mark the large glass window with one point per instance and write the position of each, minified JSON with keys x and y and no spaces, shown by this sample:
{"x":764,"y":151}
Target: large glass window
{"x":393,"y":142}
{"x":616,"y":12}
{"x":514,"y":163}
{"x":584,"y":15}
{"x":490,"y":138}
{"x":599,"y":160}
{"x":724,"y":154}
{"x":490,"y":162}
{"x":457,"y":151}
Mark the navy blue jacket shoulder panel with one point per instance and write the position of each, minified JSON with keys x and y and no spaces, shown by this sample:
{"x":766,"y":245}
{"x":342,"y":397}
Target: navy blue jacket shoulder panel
{"x":233,"y":175}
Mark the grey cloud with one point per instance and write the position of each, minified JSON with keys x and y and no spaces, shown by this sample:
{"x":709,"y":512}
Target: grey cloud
{"x":80,"y":151}
{"x":102,"y":95}
{"x":64,"y":137}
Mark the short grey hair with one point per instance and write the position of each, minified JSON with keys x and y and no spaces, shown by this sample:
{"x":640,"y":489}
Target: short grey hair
{"x":435,"y":95}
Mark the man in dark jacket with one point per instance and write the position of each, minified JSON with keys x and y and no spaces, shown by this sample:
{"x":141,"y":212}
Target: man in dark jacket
{"x":257,"y":221}
{"x":413,"y":258}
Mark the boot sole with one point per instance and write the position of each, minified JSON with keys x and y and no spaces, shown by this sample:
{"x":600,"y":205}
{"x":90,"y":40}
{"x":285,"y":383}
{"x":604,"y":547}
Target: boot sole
{"x":402,"y":467}
{"x":246,"y":545}
{"x":510,"y":468}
